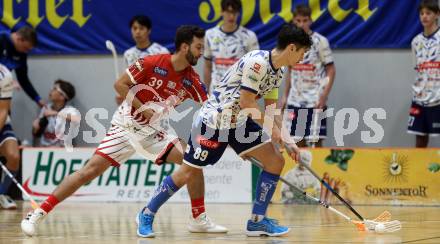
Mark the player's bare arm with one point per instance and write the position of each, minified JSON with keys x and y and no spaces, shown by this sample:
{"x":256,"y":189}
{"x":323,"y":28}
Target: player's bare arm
{"x":4,"y":111}
{"x":330,"y":71}
{"x":122,"y":86}
{"x":286,"y":89}
{"x":207,"y":70}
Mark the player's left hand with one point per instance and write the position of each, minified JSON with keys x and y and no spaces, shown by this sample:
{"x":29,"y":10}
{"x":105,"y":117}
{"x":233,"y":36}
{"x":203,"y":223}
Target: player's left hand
{"x":148,"y":114}
{"x":276,"y":135}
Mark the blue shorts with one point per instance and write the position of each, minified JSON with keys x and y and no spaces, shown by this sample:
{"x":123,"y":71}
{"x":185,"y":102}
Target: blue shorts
{"x":424,"y":121}
{"x":207,"y":145}
{"x":7,"y":134}
{"x":304,"y":128}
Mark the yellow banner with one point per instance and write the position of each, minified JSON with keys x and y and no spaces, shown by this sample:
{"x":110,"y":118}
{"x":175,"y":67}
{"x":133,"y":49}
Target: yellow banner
{"x":367,"y":176}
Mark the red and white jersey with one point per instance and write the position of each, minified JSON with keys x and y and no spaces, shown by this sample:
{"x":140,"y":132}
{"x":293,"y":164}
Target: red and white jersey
{"x":306,"y":75}
{"x":426,"y":50}
{"x":158,"y":86}
{"x":224,"y":49}
{"x":132,"y":54}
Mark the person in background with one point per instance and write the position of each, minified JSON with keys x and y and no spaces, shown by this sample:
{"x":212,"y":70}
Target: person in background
{"x":14,"y":48}
{"x":424,"y":115}
{"x":304,"y":90}
{"x":45,"y":127}
{"x":226,"y":44}
{"x":141,"y":26}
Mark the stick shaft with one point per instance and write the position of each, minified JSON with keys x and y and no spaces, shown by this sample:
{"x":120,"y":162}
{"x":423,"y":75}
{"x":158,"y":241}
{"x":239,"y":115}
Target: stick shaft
{"x":315,"y":129}
{"x":325,"y":205}
{"x":115,"y":58}
{"x":17,"y":184}
{"x":288,"y":148}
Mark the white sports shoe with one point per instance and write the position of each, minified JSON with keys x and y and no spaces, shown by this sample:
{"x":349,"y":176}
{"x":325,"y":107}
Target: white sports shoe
{"x":202,"y":224}
{"x":6,"y":202}
{"x":30,"y":223}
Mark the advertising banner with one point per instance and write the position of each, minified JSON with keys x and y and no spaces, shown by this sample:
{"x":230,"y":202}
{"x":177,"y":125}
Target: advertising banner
{"x":229,"y":181}
{"x":368,"y":176}
{"x":82,"y":26}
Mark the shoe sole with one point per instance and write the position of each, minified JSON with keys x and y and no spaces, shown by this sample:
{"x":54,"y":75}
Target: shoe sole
{"x":26,"y":232}
{"x":264,"y":233}
{"x":207,"y":231}
{"x":137,"y":231}
{"x":10,"y":208}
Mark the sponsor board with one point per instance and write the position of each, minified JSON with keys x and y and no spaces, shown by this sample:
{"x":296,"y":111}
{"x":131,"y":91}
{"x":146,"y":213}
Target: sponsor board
{"x":229,"y":181}
{"x":368,"y":176}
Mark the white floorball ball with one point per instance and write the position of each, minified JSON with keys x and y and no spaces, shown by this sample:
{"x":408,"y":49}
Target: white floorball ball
{"x":379,"y":228}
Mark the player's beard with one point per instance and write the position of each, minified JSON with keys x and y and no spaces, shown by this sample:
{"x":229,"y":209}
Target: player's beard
{"x":191,"y":58}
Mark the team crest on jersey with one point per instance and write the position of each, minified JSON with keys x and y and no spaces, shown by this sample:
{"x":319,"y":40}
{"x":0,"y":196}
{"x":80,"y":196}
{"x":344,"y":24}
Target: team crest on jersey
{"x":217,"y":40}
{"x":171,"y":85}
{"x":187,"y":82}
{"x":256,"y":68}
{"x":138,"y":65}
{"x":160,"y":71}
{"x":181,"y":93}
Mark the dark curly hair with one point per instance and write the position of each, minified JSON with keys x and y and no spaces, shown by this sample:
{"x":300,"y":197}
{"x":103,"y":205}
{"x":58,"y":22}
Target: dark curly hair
{"x":186,"y":33}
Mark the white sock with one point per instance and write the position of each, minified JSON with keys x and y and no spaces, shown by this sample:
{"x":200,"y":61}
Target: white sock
{"x":148,"y":212}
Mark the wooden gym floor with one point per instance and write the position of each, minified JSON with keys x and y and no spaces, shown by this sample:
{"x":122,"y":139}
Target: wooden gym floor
{"x":108,"y":223}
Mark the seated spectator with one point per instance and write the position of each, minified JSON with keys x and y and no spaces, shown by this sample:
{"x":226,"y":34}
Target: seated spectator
{"x":44,"y":128}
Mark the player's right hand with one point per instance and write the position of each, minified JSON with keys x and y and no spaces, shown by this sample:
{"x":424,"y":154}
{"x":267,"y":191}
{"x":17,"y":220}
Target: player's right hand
{"x":294,"y":151}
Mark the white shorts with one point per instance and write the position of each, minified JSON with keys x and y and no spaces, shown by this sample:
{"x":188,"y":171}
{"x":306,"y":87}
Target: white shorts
{"x":121,"y":143}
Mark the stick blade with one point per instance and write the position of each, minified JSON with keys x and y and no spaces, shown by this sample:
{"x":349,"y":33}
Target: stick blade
{"x":383,"y":217}
{"x":392,"y":226}
{"x":383,"y":227}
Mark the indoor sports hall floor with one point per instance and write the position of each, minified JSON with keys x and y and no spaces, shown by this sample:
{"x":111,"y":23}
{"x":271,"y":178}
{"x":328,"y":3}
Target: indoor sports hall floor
{"x":108,"y":223}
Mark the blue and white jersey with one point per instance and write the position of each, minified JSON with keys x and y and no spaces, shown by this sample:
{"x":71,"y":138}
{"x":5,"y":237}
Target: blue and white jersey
{"x":224,"y":49}
{"x":6,"y":86}
{"x":132,"y":54}
{"x":253,"y":72}
{"x":426,"y":51}
{"x":306,"y":76}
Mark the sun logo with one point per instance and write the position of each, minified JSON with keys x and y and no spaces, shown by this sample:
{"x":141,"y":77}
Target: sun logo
{"x":395,"y":168}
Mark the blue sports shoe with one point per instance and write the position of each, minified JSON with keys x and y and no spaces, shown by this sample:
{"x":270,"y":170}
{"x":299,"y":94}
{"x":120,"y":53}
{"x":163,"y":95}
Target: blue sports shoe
{"x":266,"y":227}
{"x":145,"y":225}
